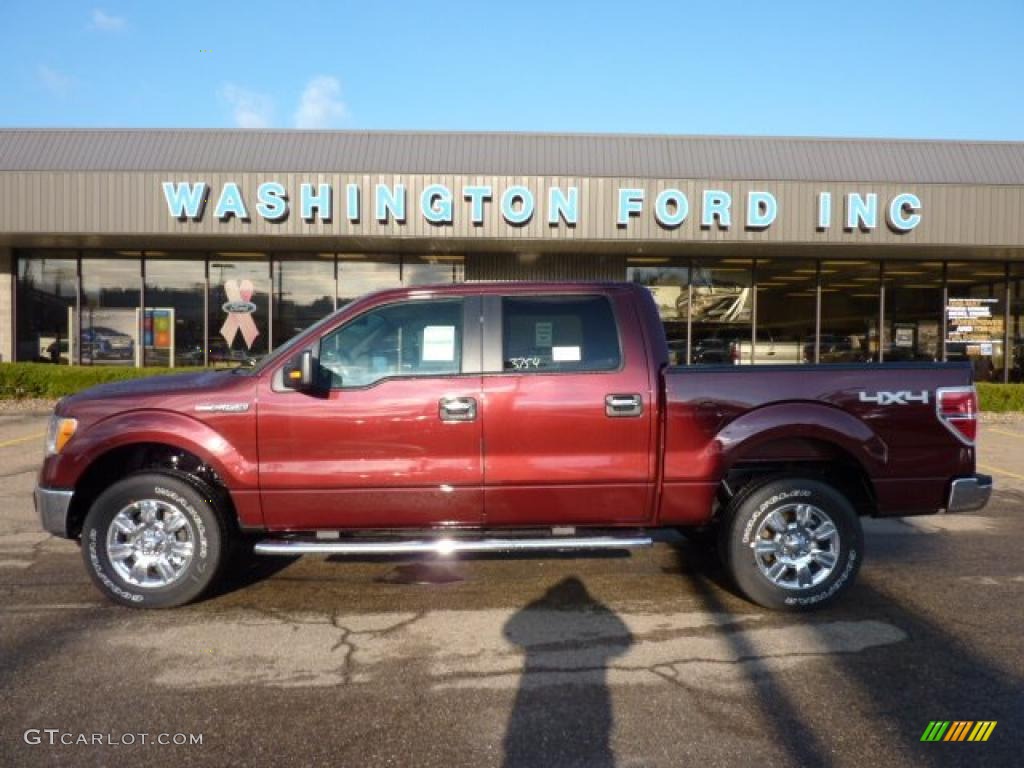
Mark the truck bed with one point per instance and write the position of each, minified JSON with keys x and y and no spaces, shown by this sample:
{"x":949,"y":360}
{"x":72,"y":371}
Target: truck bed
{"x":882,"y":418}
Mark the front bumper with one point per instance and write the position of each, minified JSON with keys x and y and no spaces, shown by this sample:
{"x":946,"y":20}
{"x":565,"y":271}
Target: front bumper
{"x":968,"y":494}
{"x":52,"y":506}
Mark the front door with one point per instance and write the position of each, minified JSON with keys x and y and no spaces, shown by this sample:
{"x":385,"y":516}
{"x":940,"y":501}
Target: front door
{"x":392,"y":436}
{"x":568,"y":417}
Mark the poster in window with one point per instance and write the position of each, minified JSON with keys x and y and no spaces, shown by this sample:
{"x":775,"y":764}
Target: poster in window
{"x":903,"y":336}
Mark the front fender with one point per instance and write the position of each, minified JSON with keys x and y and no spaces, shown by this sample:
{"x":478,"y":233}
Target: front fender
{"x":802,"y":420}
{"x":217,"y":445}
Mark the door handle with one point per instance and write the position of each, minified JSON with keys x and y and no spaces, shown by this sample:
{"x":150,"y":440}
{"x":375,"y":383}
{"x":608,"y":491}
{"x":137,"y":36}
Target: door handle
{"x":456,"y":409}
{"x":623,"y":405}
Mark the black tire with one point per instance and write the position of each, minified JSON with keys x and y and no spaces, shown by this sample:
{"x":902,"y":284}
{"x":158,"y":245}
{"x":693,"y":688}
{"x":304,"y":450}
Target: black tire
{"x":164,"y":492}
{"x":738,"y":536}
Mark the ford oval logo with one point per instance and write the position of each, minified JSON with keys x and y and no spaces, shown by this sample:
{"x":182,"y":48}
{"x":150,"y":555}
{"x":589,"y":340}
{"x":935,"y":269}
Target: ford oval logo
{"x":239,"y":307}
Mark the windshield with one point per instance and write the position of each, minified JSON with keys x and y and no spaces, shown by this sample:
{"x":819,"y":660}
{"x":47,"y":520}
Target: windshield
{"x":287,"y":348}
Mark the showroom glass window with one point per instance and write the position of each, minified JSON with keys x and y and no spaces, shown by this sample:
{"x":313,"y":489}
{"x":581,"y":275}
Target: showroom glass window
{"x":787,"y":309}
{"x":239,"y":307}
{"x":174,"y":321}
{"x":110,"y":317}
{"x":304,"y":292}
{"x":412,"y":338}
{"x":668,"y":280}
{"x":913,"y":312}
{"x":432,"y":269}
{"x":976,"y":316}
{"x":850,"y":311}
{"x":47,"y":299}
{"x":362,"y":273}
{"x":1017,"y":322}
{"x":721,"y":305}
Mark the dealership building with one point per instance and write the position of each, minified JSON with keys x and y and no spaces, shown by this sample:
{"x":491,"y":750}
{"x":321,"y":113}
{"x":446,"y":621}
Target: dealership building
{"x":206,"y":247}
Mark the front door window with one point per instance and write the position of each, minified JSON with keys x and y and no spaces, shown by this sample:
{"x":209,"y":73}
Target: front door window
{"x":422,"y":338}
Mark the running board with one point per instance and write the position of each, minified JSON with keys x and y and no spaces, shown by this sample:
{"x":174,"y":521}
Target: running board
{"x":446,"y":546}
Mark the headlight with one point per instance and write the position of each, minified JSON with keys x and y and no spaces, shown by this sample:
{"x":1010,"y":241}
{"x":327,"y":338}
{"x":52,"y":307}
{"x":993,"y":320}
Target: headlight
{"x":58,"y":432}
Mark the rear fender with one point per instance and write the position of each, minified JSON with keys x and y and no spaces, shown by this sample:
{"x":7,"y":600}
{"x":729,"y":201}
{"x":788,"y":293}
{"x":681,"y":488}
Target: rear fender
{"x":741,"y":438}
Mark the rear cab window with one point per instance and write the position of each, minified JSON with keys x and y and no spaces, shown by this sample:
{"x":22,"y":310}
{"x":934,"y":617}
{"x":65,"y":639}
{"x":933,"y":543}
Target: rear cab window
{"x":544,"y":334}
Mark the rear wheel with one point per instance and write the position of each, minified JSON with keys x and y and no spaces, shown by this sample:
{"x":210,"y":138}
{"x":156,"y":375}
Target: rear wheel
{"x":792,"y":543}
{"x":154,"y":540}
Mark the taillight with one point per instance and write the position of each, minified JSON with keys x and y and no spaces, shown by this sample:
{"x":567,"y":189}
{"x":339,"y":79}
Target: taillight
{"x":958,"y":410}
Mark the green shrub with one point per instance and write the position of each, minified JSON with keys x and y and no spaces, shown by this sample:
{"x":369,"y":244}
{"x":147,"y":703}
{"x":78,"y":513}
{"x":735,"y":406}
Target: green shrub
{"x":24,"y":380}
{"x":1001,"y":398}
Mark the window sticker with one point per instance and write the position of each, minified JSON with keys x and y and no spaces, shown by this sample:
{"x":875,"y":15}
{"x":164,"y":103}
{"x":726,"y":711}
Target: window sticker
{"x":543,"y":333}
{"x":565,"y":354}
{"x":438,"y":343}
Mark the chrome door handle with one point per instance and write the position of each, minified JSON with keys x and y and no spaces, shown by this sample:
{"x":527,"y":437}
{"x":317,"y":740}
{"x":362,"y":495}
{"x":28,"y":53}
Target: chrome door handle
{"x":623,"y":405}
{"x":456,"y":409}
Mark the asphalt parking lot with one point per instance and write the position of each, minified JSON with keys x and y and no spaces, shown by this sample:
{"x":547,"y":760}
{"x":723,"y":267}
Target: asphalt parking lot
{"x":645,"y":659}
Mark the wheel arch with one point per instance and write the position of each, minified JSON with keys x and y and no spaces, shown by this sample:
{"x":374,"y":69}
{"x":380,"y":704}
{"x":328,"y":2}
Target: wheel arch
{"x":129,"y":458}
{"x":820,"y":441}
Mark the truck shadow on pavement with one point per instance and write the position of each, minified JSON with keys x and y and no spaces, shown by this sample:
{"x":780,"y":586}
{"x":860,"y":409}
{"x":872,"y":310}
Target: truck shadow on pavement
{"x":562,"y":715}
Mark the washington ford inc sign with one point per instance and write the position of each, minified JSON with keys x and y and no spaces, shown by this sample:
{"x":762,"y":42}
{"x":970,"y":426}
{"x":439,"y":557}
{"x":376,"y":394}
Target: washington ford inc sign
{"x":517,"y":205}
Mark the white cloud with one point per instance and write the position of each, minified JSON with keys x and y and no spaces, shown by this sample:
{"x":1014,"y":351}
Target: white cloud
{"x":106,"y":21}
{"x":321,"y":105}
{"x":56,"y":82}
{"x":248,"y":108}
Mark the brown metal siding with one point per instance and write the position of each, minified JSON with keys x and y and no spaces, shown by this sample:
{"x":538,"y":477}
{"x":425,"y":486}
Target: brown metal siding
{"x":52,"y":203}
{"x":560,"y":267}
{"x":612,"y":156}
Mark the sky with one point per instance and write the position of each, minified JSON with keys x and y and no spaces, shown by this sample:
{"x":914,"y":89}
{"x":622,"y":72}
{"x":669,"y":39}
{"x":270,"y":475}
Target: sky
{"x":875,"y":68}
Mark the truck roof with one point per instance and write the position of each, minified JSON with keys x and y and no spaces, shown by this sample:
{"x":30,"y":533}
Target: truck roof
{"x":506,"y":287}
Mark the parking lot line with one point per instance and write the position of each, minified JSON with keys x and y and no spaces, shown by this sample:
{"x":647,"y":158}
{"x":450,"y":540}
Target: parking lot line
{"x":1006,"y":432}
{"x":998,"y":471}
{"x":23,"y":439}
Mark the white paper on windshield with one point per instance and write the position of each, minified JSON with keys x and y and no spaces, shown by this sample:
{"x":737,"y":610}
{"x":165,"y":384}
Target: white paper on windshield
{"x":565,"y":354}
{"x":438,"y":343}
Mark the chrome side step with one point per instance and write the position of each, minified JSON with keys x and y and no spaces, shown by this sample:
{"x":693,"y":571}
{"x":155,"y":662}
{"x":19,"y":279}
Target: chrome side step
{"x":445,"y":546}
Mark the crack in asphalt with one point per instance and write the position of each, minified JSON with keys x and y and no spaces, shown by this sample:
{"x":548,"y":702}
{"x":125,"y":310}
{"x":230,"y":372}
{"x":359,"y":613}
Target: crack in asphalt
{"x":346,"y":641}
{"x":540,"y":669}
{"x":344,"y":670}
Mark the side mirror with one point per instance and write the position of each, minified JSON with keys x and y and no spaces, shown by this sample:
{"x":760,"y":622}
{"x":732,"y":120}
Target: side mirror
{"x":298,"y":374}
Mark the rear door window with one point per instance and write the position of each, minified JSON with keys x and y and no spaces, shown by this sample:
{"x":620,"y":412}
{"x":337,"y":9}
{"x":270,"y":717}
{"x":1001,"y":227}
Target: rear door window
{"x":559,"y":333}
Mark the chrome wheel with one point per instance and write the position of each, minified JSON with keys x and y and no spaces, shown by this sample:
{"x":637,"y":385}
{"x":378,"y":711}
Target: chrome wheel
{"x":150,"y":543}
{"x":796,"y":546}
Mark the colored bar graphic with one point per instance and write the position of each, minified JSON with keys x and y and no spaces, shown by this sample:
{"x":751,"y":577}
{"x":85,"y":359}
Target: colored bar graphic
{"x":935,"y":730}
{"x":958,"y":730}
{"x":982,"y":730}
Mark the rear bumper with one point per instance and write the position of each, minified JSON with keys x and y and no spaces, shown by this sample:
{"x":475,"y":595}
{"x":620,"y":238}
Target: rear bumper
{"x":52,"y":506}
{"x":968,"y":494}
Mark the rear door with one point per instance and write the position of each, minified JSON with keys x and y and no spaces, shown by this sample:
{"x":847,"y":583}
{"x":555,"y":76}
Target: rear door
{"x":567,"y":410}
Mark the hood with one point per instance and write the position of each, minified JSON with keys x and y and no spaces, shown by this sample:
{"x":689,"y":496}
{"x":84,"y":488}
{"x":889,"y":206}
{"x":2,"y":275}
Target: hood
{"x":157,"y":391}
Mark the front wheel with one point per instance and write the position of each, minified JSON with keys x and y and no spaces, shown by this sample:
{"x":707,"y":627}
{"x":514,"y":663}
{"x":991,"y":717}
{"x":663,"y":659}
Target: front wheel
{"x":792,"y":543}
{"x":153,"y":540}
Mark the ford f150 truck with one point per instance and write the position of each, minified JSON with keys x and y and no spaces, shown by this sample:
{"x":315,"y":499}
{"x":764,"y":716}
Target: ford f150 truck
{"x":503,"y":417}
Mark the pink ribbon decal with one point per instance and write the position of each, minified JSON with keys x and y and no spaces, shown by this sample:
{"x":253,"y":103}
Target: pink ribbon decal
{"x":239,"y":307}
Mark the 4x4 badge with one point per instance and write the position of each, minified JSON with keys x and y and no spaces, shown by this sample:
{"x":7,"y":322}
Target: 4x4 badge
{"x":895,"y":398}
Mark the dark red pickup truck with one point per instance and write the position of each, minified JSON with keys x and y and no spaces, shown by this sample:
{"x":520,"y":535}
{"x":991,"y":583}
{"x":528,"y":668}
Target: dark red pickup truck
{"x":503,"y":417}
